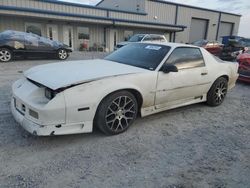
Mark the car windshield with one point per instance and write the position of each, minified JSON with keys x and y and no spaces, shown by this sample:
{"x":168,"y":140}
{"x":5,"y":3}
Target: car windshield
{"x":136,"y":38}
{"x":143,"y":55}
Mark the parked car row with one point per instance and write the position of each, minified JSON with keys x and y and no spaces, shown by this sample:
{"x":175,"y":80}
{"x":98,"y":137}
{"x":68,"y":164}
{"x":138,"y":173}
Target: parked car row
{"x":214,"y":47}
{"x":15,"y":44}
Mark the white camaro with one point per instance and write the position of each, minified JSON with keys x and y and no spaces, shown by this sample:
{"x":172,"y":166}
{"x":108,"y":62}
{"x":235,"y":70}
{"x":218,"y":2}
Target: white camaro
{"x":138,"y":79}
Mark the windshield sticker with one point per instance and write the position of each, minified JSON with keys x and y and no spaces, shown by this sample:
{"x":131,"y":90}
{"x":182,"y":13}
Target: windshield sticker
{"x":150,"y":47}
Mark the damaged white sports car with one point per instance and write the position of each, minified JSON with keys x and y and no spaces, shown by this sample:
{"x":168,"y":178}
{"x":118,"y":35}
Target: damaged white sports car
{"x":138,"y":79}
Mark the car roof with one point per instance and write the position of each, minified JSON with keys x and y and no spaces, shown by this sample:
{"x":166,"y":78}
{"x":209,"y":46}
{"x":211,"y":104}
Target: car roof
{"x":17,"y":32}
{"x":171,"y":44}
{"x":149,"y":34}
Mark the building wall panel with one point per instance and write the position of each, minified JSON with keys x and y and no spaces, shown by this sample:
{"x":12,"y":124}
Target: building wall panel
{"x":185,"y":16}
{"x":156,"y":13}
{"x":165,"y":13}
{"x":55,"y":7}
{"x":231,"y":19}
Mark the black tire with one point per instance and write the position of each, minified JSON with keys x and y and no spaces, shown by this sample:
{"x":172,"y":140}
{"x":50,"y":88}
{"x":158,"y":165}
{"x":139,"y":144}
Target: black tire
{"x":116,"y":113}
{"x":6,"y":55}
{"x":62,"y":54}
{"x":217,"y":92}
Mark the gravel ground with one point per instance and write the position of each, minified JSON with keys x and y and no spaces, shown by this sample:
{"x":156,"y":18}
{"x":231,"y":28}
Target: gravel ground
{"x":193,"y":146}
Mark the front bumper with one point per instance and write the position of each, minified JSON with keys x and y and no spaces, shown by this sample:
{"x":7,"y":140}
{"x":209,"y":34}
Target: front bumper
{"x":28,"y":125}
{"x":41,"y":130}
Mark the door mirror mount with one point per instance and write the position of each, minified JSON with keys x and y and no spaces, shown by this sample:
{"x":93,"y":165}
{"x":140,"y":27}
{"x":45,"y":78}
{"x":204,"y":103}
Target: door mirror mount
{"x":167,"y":68}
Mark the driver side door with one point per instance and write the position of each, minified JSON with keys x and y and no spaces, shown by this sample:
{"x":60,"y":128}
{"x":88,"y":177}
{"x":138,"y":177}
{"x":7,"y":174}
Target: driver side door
{"x":188,"y":84}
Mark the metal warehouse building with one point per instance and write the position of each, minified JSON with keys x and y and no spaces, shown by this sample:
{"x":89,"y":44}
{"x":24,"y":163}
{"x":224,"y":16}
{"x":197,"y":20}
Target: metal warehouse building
{"x":102,"y":26}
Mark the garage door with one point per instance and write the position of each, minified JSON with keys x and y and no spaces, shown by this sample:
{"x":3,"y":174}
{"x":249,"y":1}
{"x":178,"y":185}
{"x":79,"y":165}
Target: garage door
{"x":225,"y":29}
{"x":198,"y":29}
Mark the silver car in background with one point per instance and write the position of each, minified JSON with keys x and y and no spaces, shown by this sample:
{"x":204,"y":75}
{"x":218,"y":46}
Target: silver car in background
{"x":142,"y":38}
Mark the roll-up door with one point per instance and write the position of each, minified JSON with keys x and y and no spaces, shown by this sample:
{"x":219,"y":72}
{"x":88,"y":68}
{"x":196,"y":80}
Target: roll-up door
{"x":198,"y":29}
{"x":226,"y":29}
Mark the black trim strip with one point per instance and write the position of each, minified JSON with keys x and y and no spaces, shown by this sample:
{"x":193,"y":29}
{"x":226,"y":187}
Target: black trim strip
{"x":176,"y":20}
{"x":164,"y":90}
{"x":83,"y":109}
{"x":218,"y":26}
{"x":22,"y":113}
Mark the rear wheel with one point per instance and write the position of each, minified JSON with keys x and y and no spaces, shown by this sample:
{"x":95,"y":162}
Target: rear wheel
{"x":217,"y":92}
{"x":62,"y":54}
{"x":5,"y":55}
{"x":116,"y":113}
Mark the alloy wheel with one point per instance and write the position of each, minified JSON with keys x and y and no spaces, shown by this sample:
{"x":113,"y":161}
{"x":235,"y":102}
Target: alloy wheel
{"x":62,"y":54}
{"x":121,"y":112}
{"x":5,"y":55}
{"x":220,"y":92}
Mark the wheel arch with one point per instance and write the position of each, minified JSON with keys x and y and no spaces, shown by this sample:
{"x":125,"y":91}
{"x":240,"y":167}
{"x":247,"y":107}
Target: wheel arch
{"x":7,"y":47}
{"x":224,"y":76}
{"x":137,"y":94}
{"x":221,"y":76}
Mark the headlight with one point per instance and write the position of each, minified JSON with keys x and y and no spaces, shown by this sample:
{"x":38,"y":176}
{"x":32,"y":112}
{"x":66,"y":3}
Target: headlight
{"x":49,"y":93}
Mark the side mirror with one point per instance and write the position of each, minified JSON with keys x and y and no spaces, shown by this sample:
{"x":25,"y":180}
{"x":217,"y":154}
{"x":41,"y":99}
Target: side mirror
{"x":167,"y":68}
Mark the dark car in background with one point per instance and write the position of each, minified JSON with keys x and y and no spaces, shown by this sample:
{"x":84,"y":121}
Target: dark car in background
{"x":142,"y":38}
{"x":214,"y":47}
{"x":15,"y":44}
{"x":234,"y":46}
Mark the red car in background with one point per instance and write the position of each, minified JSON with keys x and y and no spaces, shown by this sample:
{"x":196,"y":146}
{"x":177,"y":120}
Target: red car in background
{"x":244,"y":66}
{"x":214,"y":47}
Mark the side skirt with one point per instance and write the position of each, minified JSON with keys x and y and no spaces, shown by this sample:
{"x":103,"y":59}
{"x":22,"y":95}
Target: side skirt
{"x":152,"y":109}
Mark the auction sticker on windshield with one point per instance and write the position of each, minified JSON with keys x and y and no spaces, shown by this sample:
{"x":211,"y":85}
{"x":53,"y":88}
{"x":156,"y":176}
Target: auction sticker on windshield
{"x":150,"y":47}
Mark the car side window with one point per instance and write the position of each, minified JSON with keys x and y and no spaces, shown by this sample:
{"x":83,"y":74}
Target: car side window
{"x":45,"y":42}
{"x":158,"y":38}
{"x":32,"y":40}
{"x":186,"y":57}
{"x":16,"y":37}
{"x":147,"y":38}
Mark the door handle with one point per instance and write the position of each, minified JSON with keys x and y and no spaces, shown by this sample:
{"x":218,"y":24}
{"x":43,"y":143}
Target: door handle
{"x":203,"y":73}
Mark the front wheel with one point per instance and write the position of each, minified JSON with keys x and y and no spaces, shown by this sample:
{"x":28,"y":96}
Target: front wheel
{"x":217,"y":92}
{"x":62,"y":54}
{"x":5,"y":55}
{"x":116,"y":113}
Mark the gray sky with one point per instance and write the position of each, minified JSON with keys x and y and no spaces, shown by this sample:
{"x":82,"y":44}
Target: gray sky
{"x":235,"y":6}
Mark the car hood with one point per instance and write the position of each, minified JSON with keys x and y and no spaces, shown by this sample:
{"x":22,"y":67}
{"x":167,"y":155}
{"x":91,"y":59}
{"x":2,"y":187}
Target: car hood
{"x":60,"y":75}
